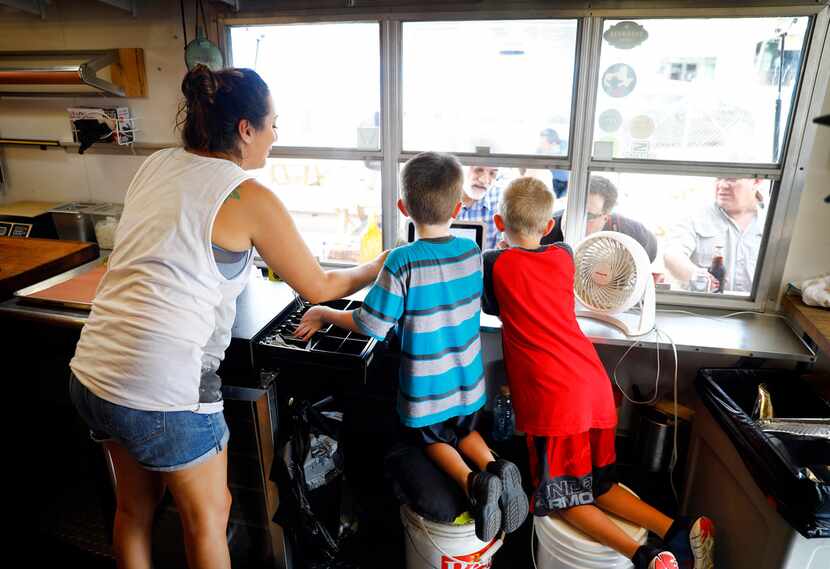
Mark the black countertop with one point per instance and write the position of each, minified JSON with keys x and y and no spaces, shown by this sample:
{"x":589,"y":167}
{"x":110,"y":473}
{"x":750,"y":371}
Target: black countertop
{"x":260,"y":302}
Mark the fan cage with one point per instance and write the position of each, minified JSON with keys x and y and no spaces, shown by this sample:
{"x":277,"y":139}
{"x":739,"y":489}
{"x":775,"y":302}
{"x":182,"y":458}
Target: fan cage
{"x":611,"y":269}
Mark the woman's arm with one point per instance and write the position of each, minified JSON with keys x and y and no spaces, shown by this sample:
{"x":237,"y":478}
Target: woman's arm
{"x":258,"y":216}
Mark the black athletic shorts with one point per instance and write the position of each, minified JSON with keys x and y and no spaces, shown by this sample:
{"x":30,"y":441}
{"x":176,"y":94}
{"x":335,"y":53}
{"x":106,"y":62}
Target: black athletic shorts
{"x":450,"y":431}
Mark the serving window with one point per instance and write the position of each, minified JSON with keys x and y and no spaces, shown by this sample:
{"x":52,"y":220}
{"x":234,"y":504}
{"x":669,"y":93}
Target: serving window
{"x":695,"y":121}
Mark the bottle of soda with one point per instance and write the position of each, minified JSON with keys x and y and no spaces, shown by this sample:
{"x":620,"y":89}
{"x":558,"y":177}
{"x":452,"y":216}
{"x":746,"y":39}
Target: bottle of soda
{"x":503,"y":421}
{"x":717,"y":268}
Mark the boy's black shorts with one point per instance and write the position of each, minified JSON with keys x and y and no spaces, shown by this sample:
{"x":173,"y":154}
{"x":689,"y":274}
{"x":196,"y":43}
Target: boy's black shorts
{"x":450,"y":431}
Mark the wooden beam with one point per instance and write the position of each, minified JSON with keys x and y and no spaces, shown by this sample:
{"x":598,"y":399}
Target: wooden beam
{"x":234,"y":4}
{"x":129,"y":73}
{"x":126,"y":5}
{"x":36,"y":7}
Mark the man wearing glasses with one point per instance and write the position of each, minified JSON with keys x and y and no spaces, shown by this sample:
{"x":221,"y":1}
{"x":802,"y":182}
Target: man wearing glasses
{"x":733,"y":225}
{"x":602,"y":197}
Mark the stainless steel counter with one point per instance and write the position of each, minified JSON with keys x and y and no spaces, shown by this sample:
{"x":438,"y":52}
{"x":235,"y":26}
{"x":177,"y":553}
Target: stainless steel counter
{"x":749,"y":335}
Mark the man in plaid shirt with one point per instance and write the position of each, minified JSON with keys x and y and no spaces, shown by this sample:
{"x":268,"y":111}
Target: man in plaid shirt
{"x":480,"y":201}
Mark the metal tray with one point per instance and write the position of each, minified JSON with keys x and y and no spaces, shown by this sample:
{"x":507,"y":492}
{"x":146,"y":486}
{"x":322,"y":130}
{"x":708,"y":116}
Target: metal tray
{"x":24,"y":295}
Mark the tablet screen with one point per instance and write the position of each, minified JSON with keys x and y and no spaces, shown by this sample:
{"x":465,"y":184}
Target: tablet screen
{"x":468,"y":232}
{"x":472,"y":230}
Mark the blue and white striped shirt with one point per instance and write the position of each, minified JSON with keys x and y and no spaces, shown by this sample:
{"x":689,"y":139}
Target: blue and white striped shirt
{"x":430,"y":292}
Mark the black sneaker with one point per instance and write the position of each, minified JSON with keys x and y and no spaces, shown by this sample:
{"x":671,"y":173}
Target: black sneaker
{"x":513,"y":501}
{"x":484,"y":492}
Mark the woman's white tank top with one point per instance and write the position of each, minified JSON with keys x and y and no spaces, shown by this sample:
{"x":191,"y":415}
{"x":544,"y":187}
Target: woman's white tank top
{"x":162,"y":316}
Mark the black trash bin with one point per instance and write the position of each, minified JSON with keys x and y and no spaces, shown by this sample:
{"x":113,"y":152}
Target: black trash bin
{"x":792,"y":470}
{"x":769,"y":494}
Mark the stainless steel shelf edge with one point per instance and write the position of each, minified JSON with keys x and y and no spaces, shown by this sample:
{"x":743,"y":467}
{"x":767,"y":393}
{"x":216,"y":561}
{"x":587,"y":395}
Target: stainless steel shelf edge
{"x":755,"y":336}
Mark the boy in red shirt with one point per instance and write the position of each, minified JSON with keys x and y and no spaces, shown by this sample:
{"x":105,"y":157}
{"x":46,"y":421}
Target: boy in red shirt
{"x":562,"y":395}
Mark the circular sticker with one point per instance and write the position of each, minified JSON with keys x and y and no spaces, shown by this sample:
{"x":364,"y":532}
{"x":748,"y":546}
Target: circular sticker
{"x":641,"y":126}
{"x":619,"y":80}
{"x":610,"y":120}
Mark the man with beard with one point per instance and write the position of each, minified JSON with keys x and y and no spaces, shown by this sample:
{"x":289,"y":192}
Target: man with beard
{"x":480,"y":201}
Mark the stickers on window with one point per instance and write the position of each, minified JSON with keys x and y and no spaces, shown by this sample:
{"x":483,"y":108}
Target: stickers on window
{"x":641,"y":126}
{"x":603,"y":149}
{"x":610,"y":120}
{"x":619,"y":80}
{"x":625,"y":35}
{"x":639,"y":149}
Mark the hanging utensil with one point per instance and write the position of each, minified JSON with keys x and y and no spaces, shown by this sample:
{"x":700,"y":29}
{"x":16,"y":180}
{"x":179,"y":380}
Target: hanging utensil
{"x":201,"y":50}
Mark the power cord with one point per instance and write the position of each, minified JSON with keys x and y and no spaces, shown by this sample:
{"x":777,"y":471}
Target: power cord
{"x":658,"y":333}
{"x":674,"y":455}
{"x":719,"y":316}
{"x":657,"y":379}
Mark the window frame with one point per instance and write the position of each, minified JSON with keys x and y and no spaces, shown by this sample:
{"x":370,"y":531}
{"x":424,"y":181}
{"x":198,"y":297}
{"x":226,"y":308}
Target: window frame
{"x":787,"y":187}
{"x":787,"y":177}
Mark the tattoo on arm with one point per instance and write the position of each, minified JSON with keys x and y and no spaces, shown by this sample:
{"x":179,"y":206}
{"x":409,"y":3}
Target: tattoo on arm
{"x":234,"y":195}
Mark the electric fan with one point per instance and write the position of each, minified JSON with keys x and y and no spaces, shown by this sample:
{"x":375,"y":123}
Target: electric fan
{"x":613,"y":275}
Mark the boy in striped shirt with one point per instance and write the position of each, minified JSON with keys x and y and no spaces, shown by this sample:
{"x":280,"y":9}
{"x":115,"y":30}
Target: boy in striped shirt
{"x":429,"y":293}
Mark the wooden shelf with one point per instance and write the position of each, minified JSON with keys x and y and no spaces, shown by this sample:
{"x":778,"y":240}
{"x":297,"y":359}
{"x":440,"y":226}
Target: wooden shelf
{"x":814,"y":321}
{"x":61,"y":73}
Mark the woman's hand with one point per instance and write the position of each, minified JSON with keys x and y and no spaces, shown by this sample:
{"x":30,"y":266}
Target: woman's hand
{"x":312,"y":320}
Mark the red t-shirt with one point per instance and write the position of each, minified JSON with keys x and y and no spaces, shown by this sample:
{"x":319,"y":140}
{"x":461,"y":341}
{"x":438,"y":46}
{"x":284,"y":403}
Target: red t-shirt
{"x":558,"y":383}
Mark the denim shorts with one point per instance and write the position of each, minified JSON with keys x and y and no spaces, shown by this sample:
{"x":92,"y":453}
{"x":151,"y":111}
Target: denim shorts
{"x":159,"y":440}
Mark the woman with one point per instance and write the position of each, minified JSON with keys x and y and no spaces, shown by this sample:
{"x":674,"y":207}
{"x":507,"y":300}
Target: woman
{"x":144,"y":372}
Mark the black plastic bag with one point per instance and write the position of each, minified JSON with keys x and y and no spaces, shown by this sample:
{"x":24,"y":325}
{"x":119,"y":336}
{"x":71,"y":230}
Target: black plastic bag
{"x":320,"y":521}
{"x":783,"y":467}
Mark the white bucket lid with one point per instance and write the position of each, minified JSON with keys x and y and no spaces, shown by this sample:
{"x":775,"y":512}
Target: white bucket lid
{"x":561,"y":531}
{"x":443,"y":529}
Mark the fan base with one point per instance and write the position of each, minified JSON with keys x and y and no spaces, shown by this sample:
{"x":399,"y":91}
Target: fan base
{"x":630,"y":323}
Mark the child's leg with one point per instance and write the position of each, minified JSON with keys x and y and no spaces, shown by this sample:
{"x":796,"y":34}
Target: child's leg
{"x":593,"y":522}
{"x":482,"y":488}
{"x":570,"y":471}
{"x":473,"y":447}
{"x":626,"y":505}
{"x":513,"y":500}
{"x":448,"y":459}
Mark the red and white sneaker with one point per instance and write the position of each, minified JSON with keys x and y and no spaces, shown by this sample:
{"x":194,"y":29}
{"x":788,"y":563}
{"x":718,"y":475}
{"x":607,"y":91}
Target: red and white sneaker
{"x":663,"y":560}
{"x":702,"y":542}
{"x":647,"y":557}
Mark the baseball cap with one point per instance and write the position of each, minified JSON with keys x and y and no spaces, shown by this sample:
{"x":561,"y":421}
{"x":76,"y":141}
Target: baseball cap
{"x":551,"y":135}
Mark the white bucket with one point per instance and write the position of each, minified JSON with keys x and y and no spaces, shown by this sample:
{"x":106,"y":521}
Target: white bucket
{"x":433,"y":545}
{"x":562,"y":546}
